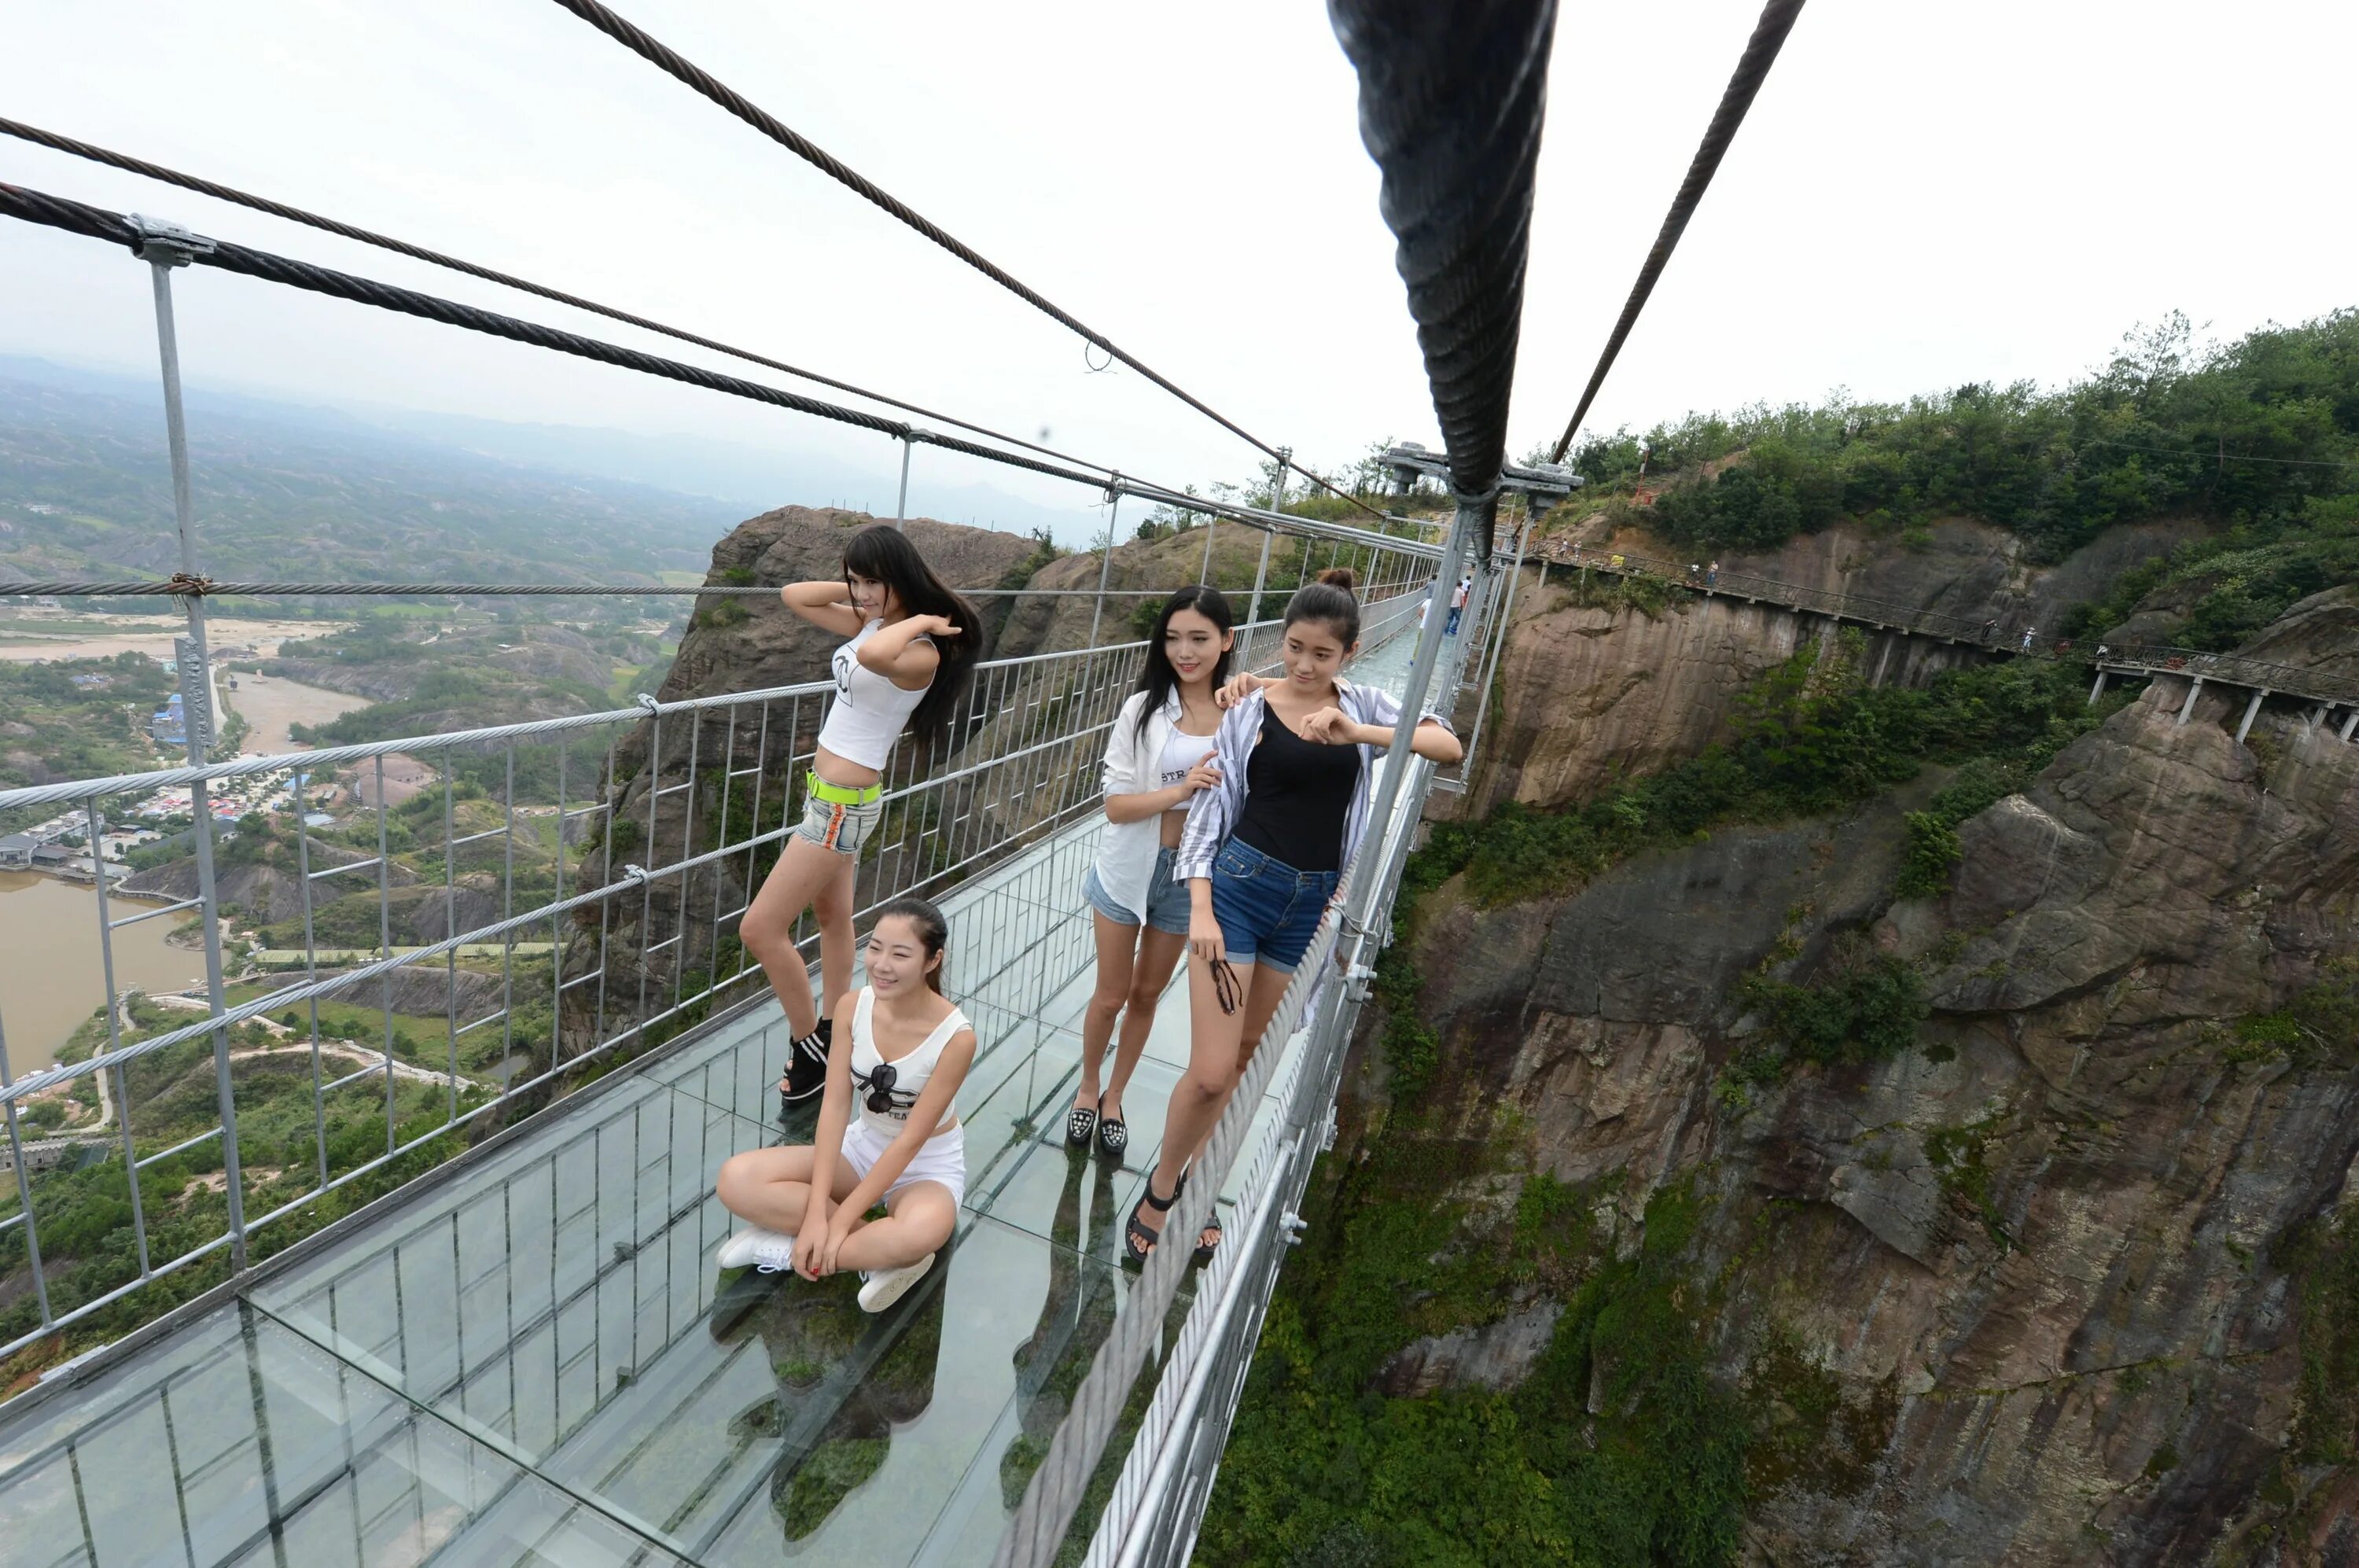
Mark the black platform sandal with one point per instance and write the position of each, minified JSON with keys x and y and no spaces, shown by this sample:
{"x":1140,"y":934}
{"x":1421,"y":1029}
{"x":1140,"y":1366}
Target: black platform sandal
{"x":1137,"y":1239}
{"x":1080,"y":1125}
{"x":1203,"y":1254}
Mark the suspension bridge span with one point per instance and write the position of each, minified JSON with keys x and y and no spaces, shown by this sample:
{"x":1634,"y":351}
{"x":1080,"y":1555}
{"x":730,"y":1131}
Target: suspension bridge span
{"x":510,"y":1343}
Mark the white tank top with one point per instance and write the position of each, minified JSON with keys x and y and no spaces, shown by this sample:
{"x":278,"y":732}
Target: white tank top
{"x":909,"y":1072}
{"x":869,"y":712}
{"x":1181,"y":752}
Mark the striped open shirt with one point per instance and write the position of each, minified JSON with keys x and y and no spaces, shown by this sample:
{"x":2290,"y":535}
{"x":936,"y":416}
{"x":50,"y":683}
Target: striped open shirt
{"x":1213,"y":814}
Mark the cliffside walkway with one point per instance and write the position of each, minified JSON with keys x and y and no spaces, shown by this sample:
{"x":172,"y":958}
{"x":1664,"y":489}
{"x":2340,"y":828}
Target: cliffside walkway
{"x":2262,"y":678}
{"x":528,"y":1353}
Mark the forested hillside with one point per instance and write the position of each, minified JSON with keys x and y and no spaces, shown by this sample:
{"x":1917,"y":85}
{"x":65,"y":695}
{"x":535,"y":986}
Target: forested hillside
{"x":2258,"y":439}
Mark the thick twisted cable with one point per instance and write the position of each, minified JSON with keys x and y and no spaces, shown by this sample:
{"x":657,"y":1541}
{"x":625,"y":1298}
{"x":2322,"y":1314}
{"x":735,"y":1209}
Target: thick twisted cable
{"x":206,"y":588}
{"x":639,"y":42}
{"x":96,"y":222}
{"x":157,"y":172}
{"x":1451,"y":99}
{"x":1752,"y":69}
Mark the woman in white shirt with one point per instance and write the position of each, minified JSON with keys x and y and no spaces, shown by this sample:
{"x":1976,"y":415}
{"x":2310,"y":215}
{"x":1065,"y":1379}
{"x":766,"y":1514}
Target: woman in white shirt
{"x":908,"y":1052}
{"x":912,"y":648}
{"x":1156,"y":758}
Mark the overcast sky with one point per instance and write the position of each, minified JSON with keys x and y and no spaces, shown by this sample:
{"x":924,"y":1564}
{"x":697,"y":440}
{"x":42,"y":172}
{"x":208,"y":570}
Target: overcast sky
{"x":1923,"y":195}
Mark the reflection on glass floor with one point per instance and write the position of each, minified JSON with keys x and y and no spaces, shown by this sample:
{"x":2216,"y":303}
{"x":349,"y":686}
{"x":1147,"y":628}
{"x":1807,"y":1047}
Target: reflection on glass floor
{"x":534,"y":1359}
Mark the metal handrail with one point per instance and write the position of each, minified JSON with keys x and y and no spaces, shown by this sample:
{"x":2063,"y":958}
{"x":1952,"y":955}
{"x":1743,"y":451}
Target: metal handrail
{"x":1885,"y":613}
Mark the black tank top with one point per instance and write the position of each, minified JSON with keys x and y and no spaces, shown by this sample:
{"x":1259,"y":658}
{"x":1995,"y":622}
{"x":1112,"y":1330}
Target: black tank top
{"x":1296,"y":792}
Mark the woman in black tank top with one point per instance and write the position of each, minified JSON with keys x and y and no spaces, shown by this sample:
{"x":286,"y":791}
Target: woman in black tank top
{"x":1297,"y":791}
{"x":1263,"y":853}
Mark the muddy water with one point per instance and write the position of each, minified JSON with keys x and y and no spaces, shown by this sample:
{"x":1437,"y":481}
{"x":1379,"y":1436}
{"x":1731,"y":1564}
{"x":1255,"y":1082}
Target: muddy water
{"x":270,"y":705}
{"x":50,"y":974}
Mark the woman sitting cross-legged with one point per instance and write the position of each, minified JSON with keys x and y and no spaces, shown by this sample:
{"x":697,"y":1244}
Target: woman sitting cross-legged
{"x":1263,"y":853}
{"x":902,"y":1061}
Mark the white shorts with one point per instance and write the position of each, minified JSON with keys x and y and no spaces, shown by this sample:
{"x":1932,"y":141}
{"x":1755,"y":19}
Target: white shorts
{"x":941,"y":1158}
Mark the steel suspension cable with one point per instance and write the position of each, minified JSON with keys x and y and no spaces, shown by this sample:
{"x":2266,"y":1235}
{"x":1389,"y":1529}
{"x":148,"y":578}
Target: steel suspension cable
{"x":96,"y":222}
{"x":1752,"y":69}
{"x":670,"y":60}
{"x":157,"y":172}
{"x":1457,"y":145}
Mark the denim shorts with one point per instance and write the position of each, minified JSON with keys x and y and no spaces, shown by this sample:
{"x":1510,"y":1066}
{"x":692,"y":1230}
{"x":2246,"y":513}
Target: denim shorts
{"x":1166,"y":898}
{"x":833,"y":825}
{"x":1267,"y":908}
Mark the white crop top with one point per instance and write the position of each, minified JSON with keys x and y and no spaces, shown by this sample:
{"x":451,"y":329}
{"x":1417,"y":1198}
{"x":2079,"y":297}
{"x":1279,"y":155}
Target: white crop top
{"x":908,"y":1074}
{"x":869,"y":712}
{"x":1181,"y":752}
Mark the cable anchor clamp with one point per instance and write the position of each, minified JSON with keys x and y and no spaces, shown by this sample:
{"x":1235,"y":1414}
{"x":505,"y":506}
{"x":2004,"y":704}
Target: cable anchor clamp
{"x":1290,"y":1226}
{"x":636,"y":875}
{"x":187,"y":586}
{"x":648,"y":699}
{"x":167,"y":245}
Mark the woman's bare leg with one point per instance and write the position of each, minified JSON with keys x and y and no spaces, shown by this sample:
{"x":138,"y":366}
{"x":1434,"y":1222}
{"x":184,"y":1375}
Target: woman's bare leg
{"x":1158,"y":951}
{"x":918,"y":1220}
{"x":803,"y":870}
{"x":1197,"y":1098}
{"x":1116,"y":945}
{"x":831,"y":906}
{"x":771,"y":1187}
{"x":1264,"y":988}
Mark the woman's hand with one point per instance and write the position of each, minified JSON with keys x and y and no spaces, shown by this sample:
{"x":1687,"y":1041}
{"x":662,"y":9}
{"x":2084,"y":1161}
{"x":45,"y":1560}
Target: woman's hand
{"x":933,"y":625}
{"x":1236,"y":689}
{"x":1205,"y":775}
{"x":837,"y":1229}
{"x":1204,"y":937}
{"x":811,"y":1251}
{"x":1329,"y":726}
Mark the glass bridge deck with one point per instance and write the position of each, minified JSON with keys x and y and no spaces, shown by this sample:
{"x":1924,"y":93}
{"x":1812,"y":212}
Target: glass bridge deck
{"x":532,"y":1358}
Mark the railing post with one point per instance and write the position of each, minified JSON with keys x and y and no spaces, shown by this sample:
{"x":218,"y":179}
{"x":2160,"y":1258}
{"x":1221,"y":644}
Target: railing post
{"x":901,"y":507}
{"x":163,"y":248}
{"x":25,"y":1191}
{"x":1472,"y":522}
{"x":1106,"y":563}
{"x":1498,"y":647}
{"x":1276,"y":504}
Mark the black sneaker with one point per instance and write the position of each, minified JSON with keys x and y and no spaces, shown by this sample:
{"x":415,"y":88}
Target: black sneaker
{"x":807,"y":1067}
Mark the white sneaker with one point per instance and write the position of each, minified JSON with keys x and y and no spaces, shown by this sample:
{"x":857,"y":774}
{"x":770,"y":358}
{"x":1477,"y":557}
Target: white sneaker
{"x":764,"y":1249}
{"x":886,"y":1286}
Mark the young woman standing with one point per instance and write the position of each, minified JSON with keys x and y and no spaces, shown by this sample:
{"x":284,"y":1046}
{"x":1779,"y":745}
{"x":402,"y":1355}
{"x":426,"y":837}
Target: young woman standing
{"x":912,"y":649}
{"x":1263,"y":853}
{"x":908,"y":1052}
{"x":1157,"y":759}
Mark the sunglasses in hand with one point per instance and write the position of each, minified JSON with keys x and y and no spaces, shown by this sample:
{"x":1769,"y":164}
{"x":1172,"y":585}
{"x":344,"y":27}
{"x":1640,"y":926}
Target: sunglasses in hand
{"x":1226,"y":986}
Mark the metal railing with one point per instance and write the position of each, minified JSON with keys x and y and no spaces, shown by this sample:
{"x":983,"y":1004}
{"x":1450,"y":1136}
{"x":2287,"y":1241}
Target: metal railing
{"x":621,"y":846}
{"x":1887,"y":614}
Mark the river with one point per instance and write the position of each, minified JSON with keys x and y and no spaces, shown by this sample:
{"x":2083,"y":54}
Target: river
{"x":50,"y":974}
{"x":270,"y":705}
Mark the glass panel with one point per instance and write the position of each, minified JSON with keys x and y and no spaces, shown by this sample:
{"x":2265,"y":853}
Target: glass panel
{"x":237,"y":1441}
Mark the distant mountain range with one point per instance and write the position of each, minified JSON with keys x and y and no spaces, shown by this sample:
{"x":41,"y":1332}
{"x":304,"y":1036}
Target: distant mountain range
{"x":289,"y":490}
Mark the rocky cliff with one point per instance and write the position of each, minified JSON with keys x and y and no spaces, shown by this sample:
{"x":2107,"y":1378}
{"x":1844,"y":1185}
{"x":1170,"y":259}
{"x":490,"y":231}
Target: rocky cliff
{"x":2062,"y":1282}
{"x":1599,"y":682}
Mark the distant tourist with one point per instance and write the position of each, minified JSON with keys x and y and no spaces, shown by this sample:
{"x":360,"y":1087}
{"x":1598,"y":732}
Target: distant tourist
{"x":1711,"y":575}
{"x":1262,"y":855}
{"x":1158,"y":757}
{"x":2027,"y":639}
{"x":913,"y":649}
{"x":1695,"y":571}
{"x":909,"y":1052}
{"x":1458,"y":605}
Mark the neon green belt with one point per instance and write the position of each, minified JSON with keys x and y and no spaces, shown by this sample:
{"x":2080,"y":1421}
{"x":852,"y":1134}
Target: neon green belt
{"x":842,"y":794}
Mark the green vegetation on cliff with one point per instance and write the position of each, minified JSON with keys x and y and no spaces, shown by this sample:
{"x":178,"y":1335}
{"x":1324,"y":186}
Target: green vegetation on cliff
{"x":2262,"y":434}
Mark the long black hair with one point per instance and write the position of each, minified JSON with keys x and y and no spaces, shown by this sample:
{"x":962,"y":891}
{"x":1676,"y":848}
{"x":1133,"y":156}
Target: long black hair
{"x":933,"y":931}
{"x":1329,"y":599}
{"x":1159,"y":680}
{"x":882,"y":554}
